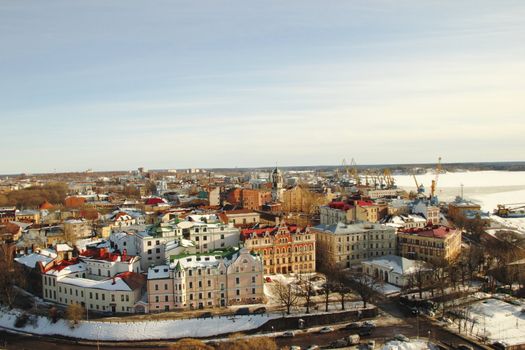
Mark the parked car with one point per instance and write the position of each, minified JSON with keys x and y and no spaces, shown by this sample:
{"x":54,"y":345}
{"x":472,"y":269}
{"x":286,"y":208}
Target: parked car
{"x":288,"y":334}
{"x":206,"y":315}
{"x":243,"y":311}
{"x":313,"y":347}
{"x":353,"y":325}
{"x":364,"y":331}
{"x":259,"y":310}
{"x":326,"y":330}
{"x":339,"y":343}
{"x":268,"y":279}
{"x":369,"y":324}
{"x":464,"y":347}
{"x":371,"y":345}
{"x":500,"y":345}
{"x":401,"y":337}
{"x":295,"y":347}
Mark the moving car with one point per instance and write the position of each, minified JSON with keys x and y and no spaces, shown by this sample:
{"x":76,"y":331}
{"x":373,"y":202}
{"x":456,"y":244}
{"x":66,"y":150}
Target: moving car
{"x":288,"y":334}
{"x":326,"y":330}
{"x":401,"y":337}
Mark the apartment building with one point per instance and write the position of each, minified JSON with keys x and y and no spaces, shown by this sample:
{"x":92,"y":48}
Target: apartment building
{"x":66,"y":283}
{"x":435,"y":244}
{"x":284,"y":248}
{"x":203,"y":281}
{"x":344,"y":245}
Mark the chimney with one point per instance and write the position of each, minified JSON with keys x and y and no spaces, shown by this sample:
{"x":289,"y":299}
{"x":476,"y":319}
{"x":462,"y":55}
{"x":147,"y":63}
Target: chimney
{"x":113,"y":282}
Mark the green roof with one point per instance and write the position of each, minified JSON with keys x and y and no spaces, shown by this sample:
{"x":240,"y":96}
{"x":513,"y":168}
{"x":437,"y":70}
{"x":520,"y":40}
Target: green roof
{"x":223,"y":253}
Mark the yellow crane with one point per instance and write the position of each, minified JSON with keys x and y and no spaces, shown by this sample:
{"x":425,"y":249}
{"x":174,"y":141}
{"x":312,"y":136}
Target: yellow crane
{"x":435,"y":181}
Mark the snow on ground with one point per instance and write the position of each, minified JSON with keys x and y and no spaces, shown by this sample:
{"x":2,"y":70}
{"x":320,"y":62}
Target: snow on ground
{"x":499,"y":320}
{"x":514,"y":223}
{"x":146,"y":330}
{"x":412,"y":345}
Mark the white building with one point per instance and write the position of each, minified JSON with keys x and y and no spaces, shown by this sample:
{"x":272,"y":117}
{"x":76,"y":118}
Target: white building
{"x":394,"y":269}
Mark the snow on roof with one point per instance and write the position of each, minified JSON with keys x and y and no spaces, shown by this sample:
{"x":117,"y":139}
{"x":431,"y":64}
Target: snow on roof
{"x":158,"y":272}
{"x":32,"y":260}
{"x":342,"y":228}
{"x":412,"y":345}
{"x":396,"y":264}
{"x":65,"y":268}
{"x":195,"y":261}
{"x":61,"y":247}
{"x":116,"y":284}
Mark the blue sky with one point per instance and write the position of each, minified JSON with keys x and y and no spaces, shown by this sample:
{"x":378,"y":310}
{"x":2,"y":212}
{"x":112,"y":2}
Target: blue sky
{"x":173,"y":84}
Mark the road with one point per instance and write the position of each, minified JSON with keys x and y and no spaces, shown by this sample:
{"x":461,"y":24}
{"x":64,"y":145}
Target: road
{"x":410,"y":327}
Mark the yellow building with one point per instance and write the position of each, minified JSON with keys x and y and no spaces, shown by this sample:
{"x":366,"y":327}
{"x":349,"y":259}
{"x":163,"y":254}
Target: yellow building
{"x":344,"y":245}
{"x":433,"y":245}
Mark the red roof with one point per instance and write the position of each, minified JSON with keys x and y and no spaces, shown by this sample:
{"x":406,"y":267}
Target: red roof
{"x":340,"y":205}
{"x":270,"y":230}
{"x":364,"y":203}
{"x":62,"y":264}
{"x":154,"y":201}
{"x":437,"y":232}
{"x":132,"y":279}
{"x":103,"y":254}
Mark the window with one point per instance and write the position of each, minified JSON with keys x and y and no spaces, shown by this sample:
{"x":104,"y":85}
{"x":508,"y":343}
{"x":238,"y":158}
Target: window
{"x":237,"y":280}
{"x":149,"y":243}
{"x":166,"y":286}
{"x":165,"y":298}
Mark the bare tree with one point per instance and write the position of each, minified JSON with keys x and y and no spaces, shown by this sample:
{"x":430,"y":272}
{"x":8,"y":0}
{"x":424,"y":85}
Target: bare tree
{"x":12,"y":276}
{"x":74,"y":313}
{"x":286,"y":294}
{"x":328,"y":288}
{"x":364,"y":285}
{"x":306,"y":289}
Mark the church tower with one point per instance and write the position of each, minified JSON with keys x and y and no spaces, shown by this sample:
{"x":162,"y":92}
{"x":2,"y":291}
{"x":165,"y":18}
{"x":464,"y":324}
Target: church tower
{"x":276,"y":177}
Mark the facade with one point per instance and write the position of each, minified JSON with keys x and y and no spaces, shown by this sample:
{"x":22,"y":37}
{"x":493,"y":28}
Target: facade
{"x":344,"y":245}
{"x":241,"y":217}
{"x":435,"y":245}
{"x":336,"y":212}
{"x":202,"y":281}
{"x":255,"y":199}
{"x":77,"y":228}
{"x":429,"y":212}
{"x":208,"y":236}
{"x":283,"y":248}
{"x":461,"y":207}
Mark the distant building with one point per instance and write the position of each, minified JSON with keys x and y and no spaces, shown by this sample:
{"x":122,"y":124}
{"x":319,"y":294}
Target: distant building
{"x":242,"y":218}
{"x":459,"y":207}
{"x":255,"y":199}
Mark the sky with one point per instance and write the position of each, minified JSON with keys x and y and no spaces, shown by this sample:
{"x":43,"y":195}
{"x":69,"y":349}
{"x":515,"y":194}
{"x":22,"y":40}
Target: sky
{"x":115,"y":85}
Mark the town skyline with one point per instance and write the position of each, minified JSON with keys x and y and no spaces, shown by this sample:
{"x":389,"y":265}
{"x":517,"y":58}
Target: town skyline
{"x":110,"y":86}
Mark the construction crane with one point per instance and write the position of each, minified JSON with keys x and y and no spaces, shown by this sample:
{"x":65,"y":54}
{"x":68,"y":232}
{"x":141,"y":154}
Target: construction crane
{"x":435,"y":181}
{"x":390,"y":182}
{"x":354,"y":172}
